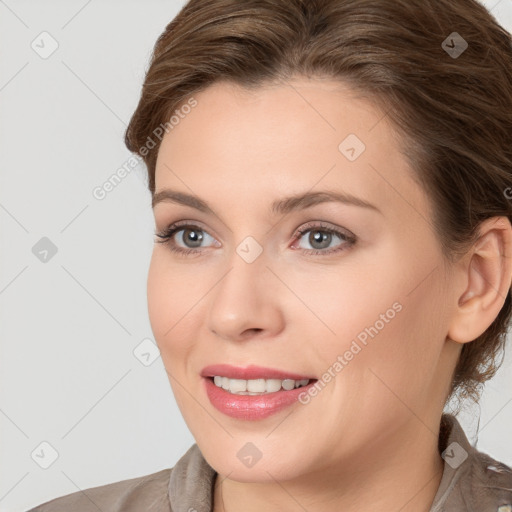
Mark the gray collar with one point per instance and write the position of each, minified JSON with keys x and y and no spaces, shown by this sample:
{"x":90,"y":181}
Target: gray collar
{"x":455,"y":448}
{"x":191,"y":483}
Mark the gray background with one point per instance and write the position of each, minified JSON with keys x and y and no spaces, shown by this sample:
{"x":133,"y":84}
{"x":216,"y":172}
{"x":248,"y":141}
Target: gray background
{"x":69,"y":326}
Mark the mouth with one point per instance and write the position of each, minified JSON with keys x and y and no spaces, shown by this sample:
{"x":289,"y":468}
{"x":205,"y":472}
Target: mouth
{"x":253,"y":392}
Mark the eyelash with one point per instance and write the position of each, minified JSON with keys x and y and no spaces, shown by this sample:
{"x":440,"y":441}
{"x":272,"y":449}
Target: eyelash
{"x":167,"y":234}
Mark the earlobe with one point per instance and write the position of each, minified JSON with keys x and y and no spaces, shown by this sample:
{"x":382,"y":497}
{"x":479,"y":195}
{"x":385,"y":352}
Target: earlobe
{"x":487,"y":278}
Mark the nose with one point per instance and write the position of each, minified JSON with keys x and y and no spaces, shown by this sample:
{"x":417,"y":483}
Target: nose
{"x":246,"y":301}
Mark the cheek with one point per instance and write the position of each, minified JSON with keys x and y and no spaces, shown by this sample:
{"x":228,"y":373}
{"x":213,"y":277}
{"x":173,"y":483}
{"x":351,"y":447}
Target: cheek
{"x":400,"y":356}
{"x":390,"y":315}
{"x":159,"y":302}
{"x":344,"y":301}
{"x":171,"y":297}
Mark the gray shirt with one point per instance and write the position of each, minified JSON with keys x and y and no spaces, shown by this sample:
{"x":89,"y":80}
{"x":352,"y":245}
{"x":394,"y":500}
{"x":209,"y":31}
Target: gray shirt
{"x":472,"y":481}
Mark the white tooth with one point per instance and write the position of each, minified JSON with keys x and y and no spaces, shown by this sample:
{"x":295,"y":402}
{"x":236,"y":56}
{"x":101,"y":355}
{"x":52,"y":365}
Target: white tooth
{"x":273,"y":385}
{"x":237,"y":385}
{"x":256,"y":385}
{"x":288,"y":384}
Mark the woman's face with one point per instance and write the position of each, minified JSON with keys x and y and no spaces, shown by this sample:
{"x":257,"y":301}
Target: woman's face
{"x":361,"y":296}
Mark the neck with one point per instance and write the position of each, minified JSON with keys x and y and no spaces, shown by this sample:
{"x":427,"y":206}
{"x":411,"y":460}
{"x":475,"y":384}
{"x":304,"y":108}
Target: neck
{"x":401,"y":475}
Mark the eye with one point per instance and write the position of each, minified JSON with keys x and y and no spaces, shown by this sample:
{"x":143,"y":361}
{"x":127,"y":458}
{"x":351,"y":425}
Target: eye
{"x":192,"y":236}
{"x":322,"y":236}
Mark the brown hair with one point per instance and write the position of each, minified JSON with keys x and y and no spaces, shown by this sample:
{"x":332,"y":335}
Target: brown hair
{"x":453,"y":111}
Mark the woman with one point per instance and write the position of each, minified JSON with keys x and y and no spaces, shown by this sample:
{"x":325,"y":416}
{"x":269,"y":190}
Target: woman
{"x":331,"y":183}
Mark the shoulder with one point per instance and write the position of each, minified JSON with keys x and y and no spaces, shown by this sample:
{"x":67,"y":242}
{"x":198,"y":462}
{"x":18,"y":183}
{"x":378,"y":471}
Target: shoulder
{"x":148,"y":493}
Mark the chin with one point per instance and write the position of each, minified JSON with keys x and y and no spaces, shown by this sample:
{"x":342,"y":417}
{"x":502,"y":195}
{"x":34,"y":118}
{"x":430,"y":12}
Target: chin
{"x":229,"y":461}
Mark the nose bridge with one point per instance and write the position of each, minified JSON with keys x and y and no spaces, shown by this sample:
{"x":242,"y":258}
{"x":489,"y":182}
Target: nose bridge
{"x":242,"y":285}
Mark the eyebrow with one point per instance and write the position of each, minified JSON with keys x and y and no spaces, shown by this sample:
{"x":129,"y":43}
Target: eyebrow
{"x":280,"y":206}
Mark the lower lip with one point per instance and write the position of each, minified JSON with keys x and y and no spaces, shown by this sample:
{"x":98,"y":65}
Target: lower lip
{"x":252,"y":407}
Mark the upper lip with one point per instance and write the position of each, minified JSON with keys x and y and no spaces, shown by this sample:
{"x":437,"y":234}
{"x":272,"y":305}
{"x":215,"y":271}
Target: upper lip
{"x":249,"y":372}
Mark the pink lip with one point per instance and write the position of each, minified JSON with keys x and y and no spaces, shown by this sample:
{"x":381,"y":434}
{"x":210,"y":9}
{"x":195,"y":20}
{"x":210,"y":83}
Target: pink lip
{"x":251,"y":407}
{"x":249,"y":372}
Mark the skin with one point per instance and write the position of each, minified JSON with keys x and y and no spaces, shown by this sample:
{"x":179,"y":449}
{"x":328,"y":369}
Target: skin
{"x":370,"y":435}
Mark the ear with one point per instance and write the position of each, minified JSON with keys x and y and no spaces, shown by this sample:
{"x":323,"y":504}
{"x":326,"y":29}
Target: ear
{"x":486,"y":277}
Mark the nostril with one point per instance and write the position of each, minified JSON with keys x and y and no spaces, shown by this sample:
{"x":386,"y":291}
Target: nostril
{"x":252,"y":332}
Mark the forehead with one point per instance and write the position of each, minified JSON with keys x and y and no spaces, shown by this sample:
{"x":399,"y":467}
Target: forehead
{"x":287,"y":138}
